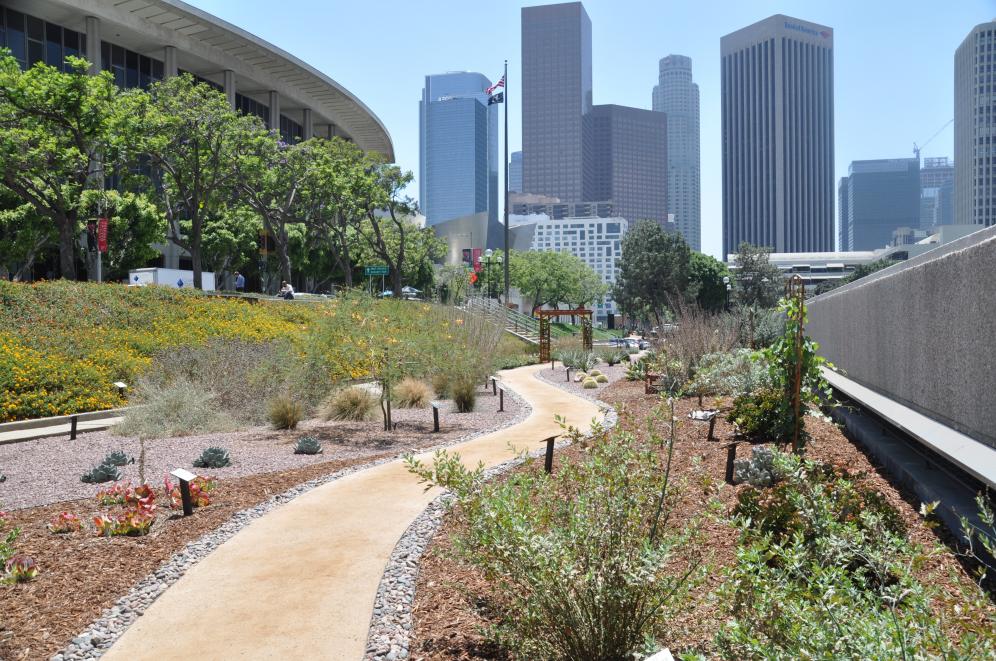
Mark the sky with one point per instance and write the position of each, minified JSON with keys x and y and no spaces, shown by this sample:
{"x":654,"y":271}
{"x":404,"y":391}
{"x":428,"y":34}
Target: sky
{"x":893,"y":62}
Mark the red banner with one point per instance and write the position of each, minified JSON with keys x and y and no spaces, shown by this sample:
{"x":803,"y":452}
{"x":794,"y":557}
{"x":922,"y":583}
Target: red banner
{"x":477,"y":259}
{"x":102,"y":235}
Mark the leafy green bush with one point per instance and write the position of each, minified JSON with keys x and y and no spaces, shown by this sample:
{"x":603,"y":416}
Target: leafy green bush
{"x":179,"y":408}
{"x":308,"y":445}
{"x":824,"y":571}
{"x":761,"y":416}
{"x":412,"y":393}
{"x":582,"y":563}
{"x":284,"y":412}
{"x":356,"y":404}
{"x":739,"y":372}
{"x":464,"y":393}
{"x":213,"y":457}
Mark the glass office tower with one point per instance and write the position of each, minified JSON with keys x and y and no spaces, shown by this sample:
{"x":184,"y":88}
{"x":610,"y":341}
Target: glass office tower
{"x":876,"y":198}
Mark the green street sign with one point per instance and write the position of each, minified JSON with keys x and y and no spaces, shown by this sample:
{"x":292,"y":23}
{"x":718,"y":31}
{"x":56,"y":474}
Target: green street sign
{"x":375,"y":270}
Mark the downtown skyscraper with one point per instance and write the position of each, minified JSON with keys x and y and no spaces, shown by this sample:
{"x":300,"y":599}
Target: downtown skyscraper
{"x":678,"y":97}
{"x":556,"y":94}
{"x":876,"y":198}
{"x":975,"y":128}
{"x":778,"y":136}
{"x":458,"y":150}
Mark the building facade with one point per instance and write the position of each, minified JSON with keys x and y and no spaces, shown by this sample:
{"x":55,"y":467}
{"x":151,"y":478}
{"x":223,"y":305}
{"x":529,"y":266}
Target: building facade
{"x":879,"y":197}
{"x":597,"y":241}
{"x":936,"y":193}
{"x":678,"y":97}
{"x":778,"y":136}
{"x":556,"y":94}
{"x":515,"y":172}
{"x":458,"y":149}
{"x":975,"y":127}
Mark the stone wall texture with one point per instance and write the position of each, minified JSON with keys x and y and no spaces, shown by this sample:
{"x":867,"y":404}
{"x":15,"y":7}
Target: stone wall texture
{"x":922,"y":332}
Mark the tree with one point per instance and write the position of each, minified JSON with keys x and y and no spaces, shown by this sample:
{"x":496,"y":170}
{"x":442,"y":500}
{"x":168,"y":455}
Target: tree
{"x":653,"y":272}
{"x":759,"y":283}
{"x":54,"y":129}
{"x":230,"y":239}
{"x":584,"y":286}
{"x":541,"y":276}
{"x":191,"y":139}
{"x":705,"y":282}
{"x":452,"y":282}
{"x":24,"y":236}
{"x":389,"y":213}
{"x":134,"y":223}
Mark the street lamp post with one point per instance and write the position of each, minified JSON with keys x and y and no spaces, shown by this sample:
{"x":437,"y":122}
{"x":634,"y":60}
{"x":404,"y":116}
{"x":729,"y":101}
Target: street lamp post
{"x":487,"y":269}
{"x":726,"y":281}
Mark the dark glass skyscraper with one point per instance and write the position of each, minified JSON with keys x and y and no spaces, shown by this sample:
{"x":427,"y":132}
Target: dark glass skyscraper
{"x":881,"y":196}
{"x":676,"y":95}
{"x":777,"y":119}
{"x":458,"y":150}
{"x":556,"y":94}
{"x":626,"y":161}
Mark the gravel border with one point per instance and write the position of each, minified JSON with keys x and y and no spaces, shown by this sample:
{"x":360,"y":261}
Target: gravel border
{"x":105,"y":631}
{"x":391,"y":622}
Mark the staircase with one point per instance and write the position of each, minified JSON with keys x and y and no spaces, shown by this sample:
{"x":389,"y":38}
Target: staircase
{"x":521,"y":326}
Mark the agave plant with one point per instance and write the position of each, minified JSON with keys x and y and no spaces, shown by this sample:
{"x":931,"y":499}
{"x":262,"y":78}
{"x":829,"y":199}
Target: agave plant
{"x":101,"y":473}
{"x":118,"y":458}
{"x":213,"y":457}
{"x":308,"y":445}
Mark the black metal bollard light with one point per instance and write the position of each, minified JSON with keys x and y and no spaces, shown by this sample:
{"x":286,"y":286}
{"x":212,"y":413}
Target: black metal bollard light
{"x":501,"y":400}
{"x":568,"y":375}
{"x":435,"y":416}
{"x":731,"y":456}
{"x":72,"y":427}
{"x":712,"y":428}
{"x":185,"y":477}
{"x":494,"y":386}
{"x":548,"y":461}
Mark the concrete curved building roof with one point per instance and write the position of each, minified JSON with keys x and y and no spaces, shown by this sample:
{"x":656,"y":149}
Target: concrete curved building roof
{"x":209,"y":46}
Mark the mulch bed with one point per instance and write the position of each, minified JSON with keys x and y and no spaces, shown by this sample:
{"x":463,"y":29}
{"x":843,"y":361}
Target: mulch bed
{"x":82,"y":574}
{"x":451,"y":598}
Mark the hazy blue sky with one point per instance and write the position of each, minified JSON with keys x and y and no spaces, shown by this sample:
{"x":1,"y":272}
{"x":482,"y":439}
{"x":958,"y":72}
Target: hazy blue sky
{"x":894,"y":61}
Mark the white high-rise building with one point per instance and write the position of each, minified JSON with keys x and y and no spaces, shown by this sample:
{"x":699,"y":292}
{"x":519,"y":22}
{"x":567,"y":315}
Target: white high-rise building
{"x":777,"y":118}
{"x":975,"y":128}
{"x":678,"y":97}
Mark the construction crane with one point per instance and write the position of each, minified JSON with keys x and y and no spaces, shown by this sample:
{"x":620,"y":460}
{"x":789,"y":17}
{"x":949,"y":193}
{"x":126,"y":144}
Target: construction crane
{"x":916,"y":150}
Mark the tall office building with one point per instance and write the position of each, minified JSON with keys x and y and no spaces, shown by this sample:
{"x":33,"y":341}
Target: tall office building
{"x":936,"y":192}
{"x":458,"y":150}
{"x":626,"y":161}
{"x":843,"y":195}
{"x":777,"y":119}
{"x":975,"y":127}
{"x":678,"y":97}
{"x":879,"y":197}
{"x":515,"y":172}
{"x":556,"y":94}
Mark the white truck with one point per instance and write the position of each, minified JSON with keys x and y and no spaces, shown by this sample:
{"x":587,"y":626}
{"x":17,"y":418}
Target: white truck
{"x":169,"y":278}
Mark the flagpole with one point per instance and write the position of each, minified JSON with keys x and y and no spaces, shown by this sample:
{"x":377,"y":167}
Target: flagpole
{"x":506,"y":182}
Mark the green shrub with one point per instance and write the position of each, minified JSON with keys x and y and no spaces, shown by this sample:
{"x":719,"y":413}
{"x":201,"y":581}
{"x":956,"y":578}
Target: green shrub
{"x":737,"y":373}
{"x":176,"y":409}
{"x":601,"y":378}
{"x":581,"y":563}
{"x":412,"y":393}
{"x":284,"y":412}
{"x":308,"y":445}
{"x":465,"y":394}
{"x":213,"y":457}
{"x":356,"y":404}
{"x":761,"y":416}
{"x":513,"y":361}
{"x":589,"y":383}
{"x":101,"y":473}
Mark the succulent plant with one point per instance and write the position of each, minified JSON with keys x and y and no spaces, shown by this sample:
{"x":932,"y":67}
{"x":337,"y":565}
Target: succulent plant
{"x":118,"y":458}
{"x":308,"y":445}
{"x":601,"y":378}
{"x":759,"y":470}
{"x":101,"y":473}
{"x":589,"y":383}
{"x":21,"y":568}
{"x":213,"y":457}
{"x":595,"y":373}
{"x":3,"y":478}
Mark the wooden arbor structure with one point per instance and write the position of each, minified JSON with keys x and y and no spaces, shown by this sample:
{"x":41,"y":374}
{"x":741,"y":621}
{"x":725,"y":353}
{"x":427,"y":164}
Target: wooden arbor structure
{"x":544,"y":329}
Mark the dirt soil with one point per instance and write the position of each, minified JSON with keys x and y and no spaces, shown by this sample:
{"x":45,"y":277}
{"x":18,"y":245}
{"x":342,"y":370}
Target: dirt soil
{"x":451,"y":598}
{"x":82,"y":574}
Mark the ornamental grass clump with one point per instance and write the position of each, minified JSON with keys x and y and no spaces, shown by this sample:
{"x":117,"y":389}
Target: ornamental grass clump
{"x":178,"y":408}
{"x":412,"y":393}
{"x":355,"y":404}
{"x":284,"y":412}
{"x":464,"y":393}
{"x":581,"y":564}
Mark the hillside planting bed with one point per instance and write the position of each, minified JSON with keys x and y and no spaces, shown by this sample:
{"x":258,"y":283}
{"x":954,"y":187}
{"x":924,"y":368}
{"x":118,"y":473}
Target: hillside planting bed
{"x":453,"y":600}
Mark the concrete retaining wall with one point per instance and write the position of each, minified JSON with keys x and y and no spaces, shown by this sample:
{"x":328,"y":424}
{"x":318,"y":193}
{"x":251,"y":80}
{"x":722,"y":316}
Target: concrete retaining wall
{"x":922,"y":333}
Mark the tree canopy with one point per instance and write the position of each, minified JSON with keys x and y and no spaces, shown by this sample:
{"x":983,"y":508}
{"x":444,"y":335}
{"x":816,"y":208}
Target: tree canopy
{"x":759,"y":283}
{"x":653,"y":272}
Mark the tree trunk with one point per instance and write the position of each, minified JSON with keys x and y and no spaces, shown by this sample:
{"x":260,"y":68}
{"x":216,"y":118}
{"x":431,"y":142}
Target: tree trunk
{"x":67,"y":248}
{"x":195,"y":258}
{"x":396,"y":282}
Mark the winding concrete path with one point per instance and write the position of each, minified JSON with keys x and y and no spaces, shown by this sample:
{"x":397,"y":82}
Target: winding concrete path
{"x":300,"y":582}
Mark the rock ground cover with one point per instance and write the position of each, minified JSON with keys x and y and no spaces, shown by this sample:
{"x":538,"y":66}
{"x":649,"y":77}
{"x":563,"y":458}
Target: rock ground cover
{"x":450,"y":610}
{"x":37,"y":619}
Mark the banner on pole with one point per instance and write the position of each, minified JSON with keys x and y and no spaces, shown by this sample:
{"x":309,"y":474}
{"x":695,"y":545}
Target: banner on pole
{"x":102,"y":235}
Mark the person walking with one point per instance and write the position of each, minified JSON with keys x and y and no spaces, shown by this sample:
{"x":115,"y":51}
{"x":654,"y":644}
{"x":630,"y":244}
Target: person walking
{"x":240,"y":283}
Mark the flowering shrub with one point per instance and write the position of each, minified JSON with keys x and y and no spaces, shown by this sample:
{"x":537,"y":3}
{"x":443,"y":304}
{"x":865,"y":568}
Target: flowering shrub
{"x":20,"y":569}
{"x":65,"y":522}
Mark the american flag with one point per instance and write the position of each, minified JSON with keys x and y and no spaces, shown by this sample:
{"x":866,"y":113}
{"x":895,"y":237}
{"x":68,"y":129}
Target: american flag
{"x":500,"y":83}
